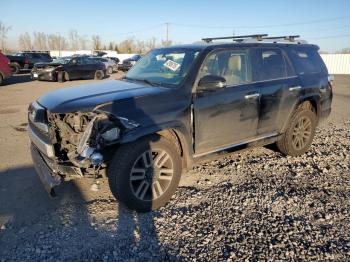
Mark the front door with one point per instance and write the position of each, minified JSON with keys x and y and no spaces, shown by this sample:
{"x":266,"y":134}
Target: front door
{"x":228,"y":115}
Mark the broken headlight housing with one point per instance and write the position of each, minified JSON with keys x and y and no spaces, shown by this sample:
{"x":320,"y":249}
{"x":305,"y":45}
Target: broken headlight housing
{"x":111,"y":134}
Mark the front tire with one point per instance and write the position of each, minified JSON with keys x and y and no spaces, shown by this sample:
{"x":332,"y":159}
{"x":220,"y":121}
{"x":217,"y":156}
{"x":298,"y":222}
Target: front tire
{"x":110,"y":70}
{"x":300,"y":132}
{"x":144,"y":174}
{"x":61,"y":76}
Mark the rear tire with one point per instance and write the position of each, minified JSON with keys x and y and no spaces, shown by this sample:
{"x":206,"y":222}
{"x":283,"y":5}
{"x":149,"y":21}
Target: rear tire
{"x":299,"y":134}
{"x":15,"y":68}
{"x":99,"y":75}
{"x":144,"y":175}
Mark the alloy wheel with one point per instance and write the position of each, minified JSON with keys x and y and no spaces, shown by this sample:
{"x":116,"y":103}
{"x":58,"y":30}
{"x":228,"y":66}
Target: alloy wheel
{"x":151,"y":174}
{"x":301,"y":133}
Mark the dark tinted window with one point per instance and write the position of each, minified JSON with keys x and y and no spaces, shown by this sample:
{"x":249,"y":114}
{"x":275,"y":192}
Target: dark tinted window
{"x":308,"y":60}
{"x":272,"y":64}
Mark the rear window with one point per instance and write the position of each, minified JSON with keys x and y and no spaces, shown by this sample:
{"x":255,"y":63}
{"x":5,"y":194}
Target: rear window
{"x":308,"y":61}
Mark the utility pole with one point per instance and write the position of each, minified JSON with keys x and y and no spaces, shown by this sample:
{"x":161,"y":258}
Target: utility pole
{"x":167,"y":33}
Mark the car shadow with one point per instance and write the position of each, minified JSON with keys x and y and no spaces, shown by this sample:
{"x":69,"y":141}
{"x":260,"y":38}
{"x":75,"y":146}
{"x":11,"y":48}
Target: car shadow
{"x":70,"y":224}
{"x":17,"y":79}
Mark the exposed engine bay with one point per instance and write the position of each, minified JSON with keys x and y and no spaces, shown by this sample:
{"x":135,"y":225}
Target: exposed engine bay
{"x":80,"y":138}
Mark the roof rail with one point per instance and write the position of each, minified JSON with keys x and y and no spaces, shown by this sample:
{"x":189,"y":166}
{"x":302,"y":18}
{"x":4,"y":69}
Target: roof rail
{"x":285,"y":37}
{"x":258,"y":37}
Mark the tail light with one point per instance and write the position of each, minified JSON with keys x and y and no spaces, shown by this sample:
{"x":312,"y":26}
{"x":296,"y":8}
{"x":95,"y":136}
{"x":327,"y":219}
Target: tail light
{"x":26,"y":61}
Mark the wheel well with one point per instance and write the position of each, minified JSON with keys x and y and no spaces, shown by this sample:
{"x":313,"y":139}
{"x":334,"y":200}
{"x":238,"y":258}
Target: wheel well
{"x":175,"y":137}
{"x":309,"y":104}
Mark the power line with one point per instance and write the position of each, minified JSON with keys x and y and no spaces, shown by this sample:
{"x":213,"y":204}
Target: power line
{"x":329,"y":37}
{"x":263,"y":26}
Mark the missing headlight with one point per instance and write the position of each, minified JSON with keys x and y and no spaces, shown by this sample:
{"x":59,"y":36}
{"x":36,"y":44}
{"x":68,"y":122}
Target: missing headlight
{"x":111,"y":134}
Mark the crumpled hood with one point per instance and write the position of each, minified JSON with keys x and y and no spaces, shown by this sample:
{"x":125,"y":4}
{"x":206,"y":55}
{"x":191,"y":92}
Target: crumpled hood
{"x":85,"y":97}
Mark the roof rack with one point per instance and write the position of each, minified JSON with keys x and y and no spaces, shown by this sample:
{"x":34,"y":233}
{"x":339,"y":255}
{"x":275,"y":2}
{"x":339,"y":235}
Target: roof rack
{"x":291,"y":39}
{"x":285,"y":37}
{"x":235,"y":38}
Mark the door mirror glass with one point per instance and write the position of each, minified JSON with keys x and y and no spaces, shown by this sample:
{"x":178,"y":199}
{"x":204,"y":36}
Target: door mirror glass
{"x":211,"y":82}
{"x":74,"y":61}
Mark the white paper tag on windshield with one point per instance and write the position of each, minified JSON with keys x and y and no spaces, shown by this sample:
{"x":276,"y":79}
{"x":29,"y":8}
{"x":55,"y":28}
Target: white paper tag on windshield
{"x":172,"y":65}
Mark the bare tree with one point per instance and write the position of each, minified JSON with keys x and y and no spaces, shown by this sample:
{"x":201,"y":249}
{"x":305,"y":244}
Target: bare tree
{"x":151,"y":43}
{"x":57,"y":42}
{"x":127,"y":46}
{"x":39,"y":41}
{"x":110,"y":47}
{"x":3,"y":34}
{"x":345,"y":51}
{"x":166,"y":42}
{"x":82,"y":42}
{"x":25,"y":41}
{"x":74,"y":40}
{"x":96,"y":42}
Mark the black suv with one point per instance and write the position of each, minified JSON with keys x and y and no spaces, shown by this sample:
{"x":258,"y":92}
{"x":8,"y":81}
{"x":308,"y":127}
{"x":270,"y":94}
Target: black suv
{"x":25,"y":60}
{"x":177,"y":106}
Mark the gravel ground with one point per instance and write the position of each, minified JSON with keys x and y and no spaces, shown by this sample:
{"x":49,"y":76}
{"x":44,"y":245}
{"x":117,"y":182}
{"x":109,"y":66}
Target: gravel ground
{"x":253,"y":205}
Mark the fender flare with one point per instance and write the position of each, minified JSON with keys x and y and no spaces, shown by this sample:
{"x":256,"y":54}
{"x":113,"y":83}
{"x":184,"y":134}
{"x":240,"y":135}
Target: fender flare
{"x":177,"y":128}
{"x":314,"y":98}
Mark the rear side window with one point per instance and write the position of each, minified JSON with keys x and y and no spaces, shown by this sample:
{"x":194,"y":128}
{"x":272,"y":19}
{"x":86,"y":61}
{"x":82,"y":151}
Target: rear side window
{"x":308,"y":60}
{"x":271,"y":63}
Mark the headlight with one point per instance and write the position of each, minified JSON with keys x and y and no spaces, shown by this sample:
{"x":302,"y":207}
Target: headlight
{"x":111,"y":134}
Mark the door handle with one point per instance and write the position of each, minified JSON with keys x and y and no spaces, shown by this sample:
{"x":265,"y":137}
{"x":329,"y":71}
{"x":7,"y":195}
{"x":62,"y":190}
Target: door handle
{"x":251,"y":96}
{"x":294,"y":88}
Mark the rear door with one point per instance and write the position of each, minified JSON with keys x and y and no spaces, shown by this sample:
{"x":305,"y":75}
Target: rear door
{"x":279,"y":89}
{"x":228,"y":115}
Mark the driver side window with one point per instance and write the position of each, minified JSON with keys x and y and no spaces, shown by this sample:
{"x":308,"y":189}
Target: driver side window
{"x":233,"y":65}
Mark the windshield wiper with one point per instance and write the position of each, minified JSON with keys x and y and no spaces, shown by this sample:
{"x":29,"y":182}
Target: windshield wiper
{"x":142,"y":80}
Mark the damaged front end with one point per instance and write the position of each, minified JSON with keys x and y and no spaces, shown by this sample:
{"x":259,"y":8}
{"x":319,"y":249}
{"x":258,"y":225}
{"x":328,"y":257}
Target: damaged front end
{"x":82,"y":143}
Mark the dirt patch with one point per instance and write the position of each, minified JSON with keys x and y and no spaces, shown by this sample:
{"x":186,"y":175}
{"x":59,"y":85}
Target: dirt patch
{"x":9,"y":111}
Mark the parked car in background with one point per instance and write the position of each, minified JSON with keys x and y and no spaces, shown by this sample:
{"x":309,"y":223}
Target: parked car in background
{"x":111,"y":65}
{"x":25,"y":60}
{"x":5,"y":69}
{"x":115,"y":59}
{"x":129,"y":62}
{"x":69,"y":68}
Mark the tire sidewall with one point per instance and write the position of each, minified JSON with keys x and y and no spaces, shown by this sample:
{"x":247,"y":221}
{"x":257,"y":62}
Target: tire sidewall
{"x":119,"y":176}
{"x":289,"y":133}
{"x":110,"y":70}
{"x":99,"y":75}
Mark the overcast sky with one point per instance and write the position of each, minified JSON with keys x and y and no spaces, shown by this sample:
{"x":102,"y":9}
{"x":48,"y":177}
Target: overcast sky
{"x":326,"y":23}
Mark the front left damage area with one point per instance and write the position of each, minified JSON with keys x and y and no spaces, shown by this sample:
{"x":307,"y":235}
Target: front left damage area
{"x":83,"y":143}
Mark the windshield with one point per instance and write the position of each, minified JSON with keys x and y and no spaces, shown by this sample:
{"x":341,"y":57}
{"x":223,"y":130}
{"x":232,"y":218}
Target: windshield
{"x":163,"y":66}
{"x":61,"y":60}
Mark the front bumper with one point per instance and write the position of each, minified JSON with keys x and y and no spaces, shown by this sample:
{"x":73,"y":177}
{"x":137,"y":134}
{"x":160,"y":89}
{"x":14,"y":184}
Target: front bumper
{"x":49,"y":170}
{"x":48,"y":178}
{"x":124,"y":67}
{"x":42,"y":75}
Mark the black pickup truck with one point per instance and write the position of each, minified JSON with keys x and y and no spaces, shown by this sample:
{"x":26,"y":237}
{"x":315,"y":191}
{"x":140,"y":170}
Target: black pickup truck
{"x":25,"y":60}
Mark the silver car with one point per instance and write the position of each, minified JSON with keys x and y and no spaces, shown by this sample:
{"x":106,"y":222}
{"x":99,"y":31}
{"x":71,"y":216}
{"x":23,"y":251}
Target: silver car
{"x":111,"y":66}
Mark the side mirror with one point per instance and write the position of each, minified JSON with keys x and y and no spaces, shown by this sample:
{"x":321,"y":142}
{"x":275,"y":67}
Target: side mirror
{"x":211,"y":83}
{"x":74,"y":62}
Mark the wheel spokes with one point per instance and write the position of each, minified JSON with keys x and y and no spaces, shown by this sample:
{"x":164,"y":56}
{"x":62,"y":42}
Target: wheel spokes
{"x":142,"y":189}
{"x":160,"y":159}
